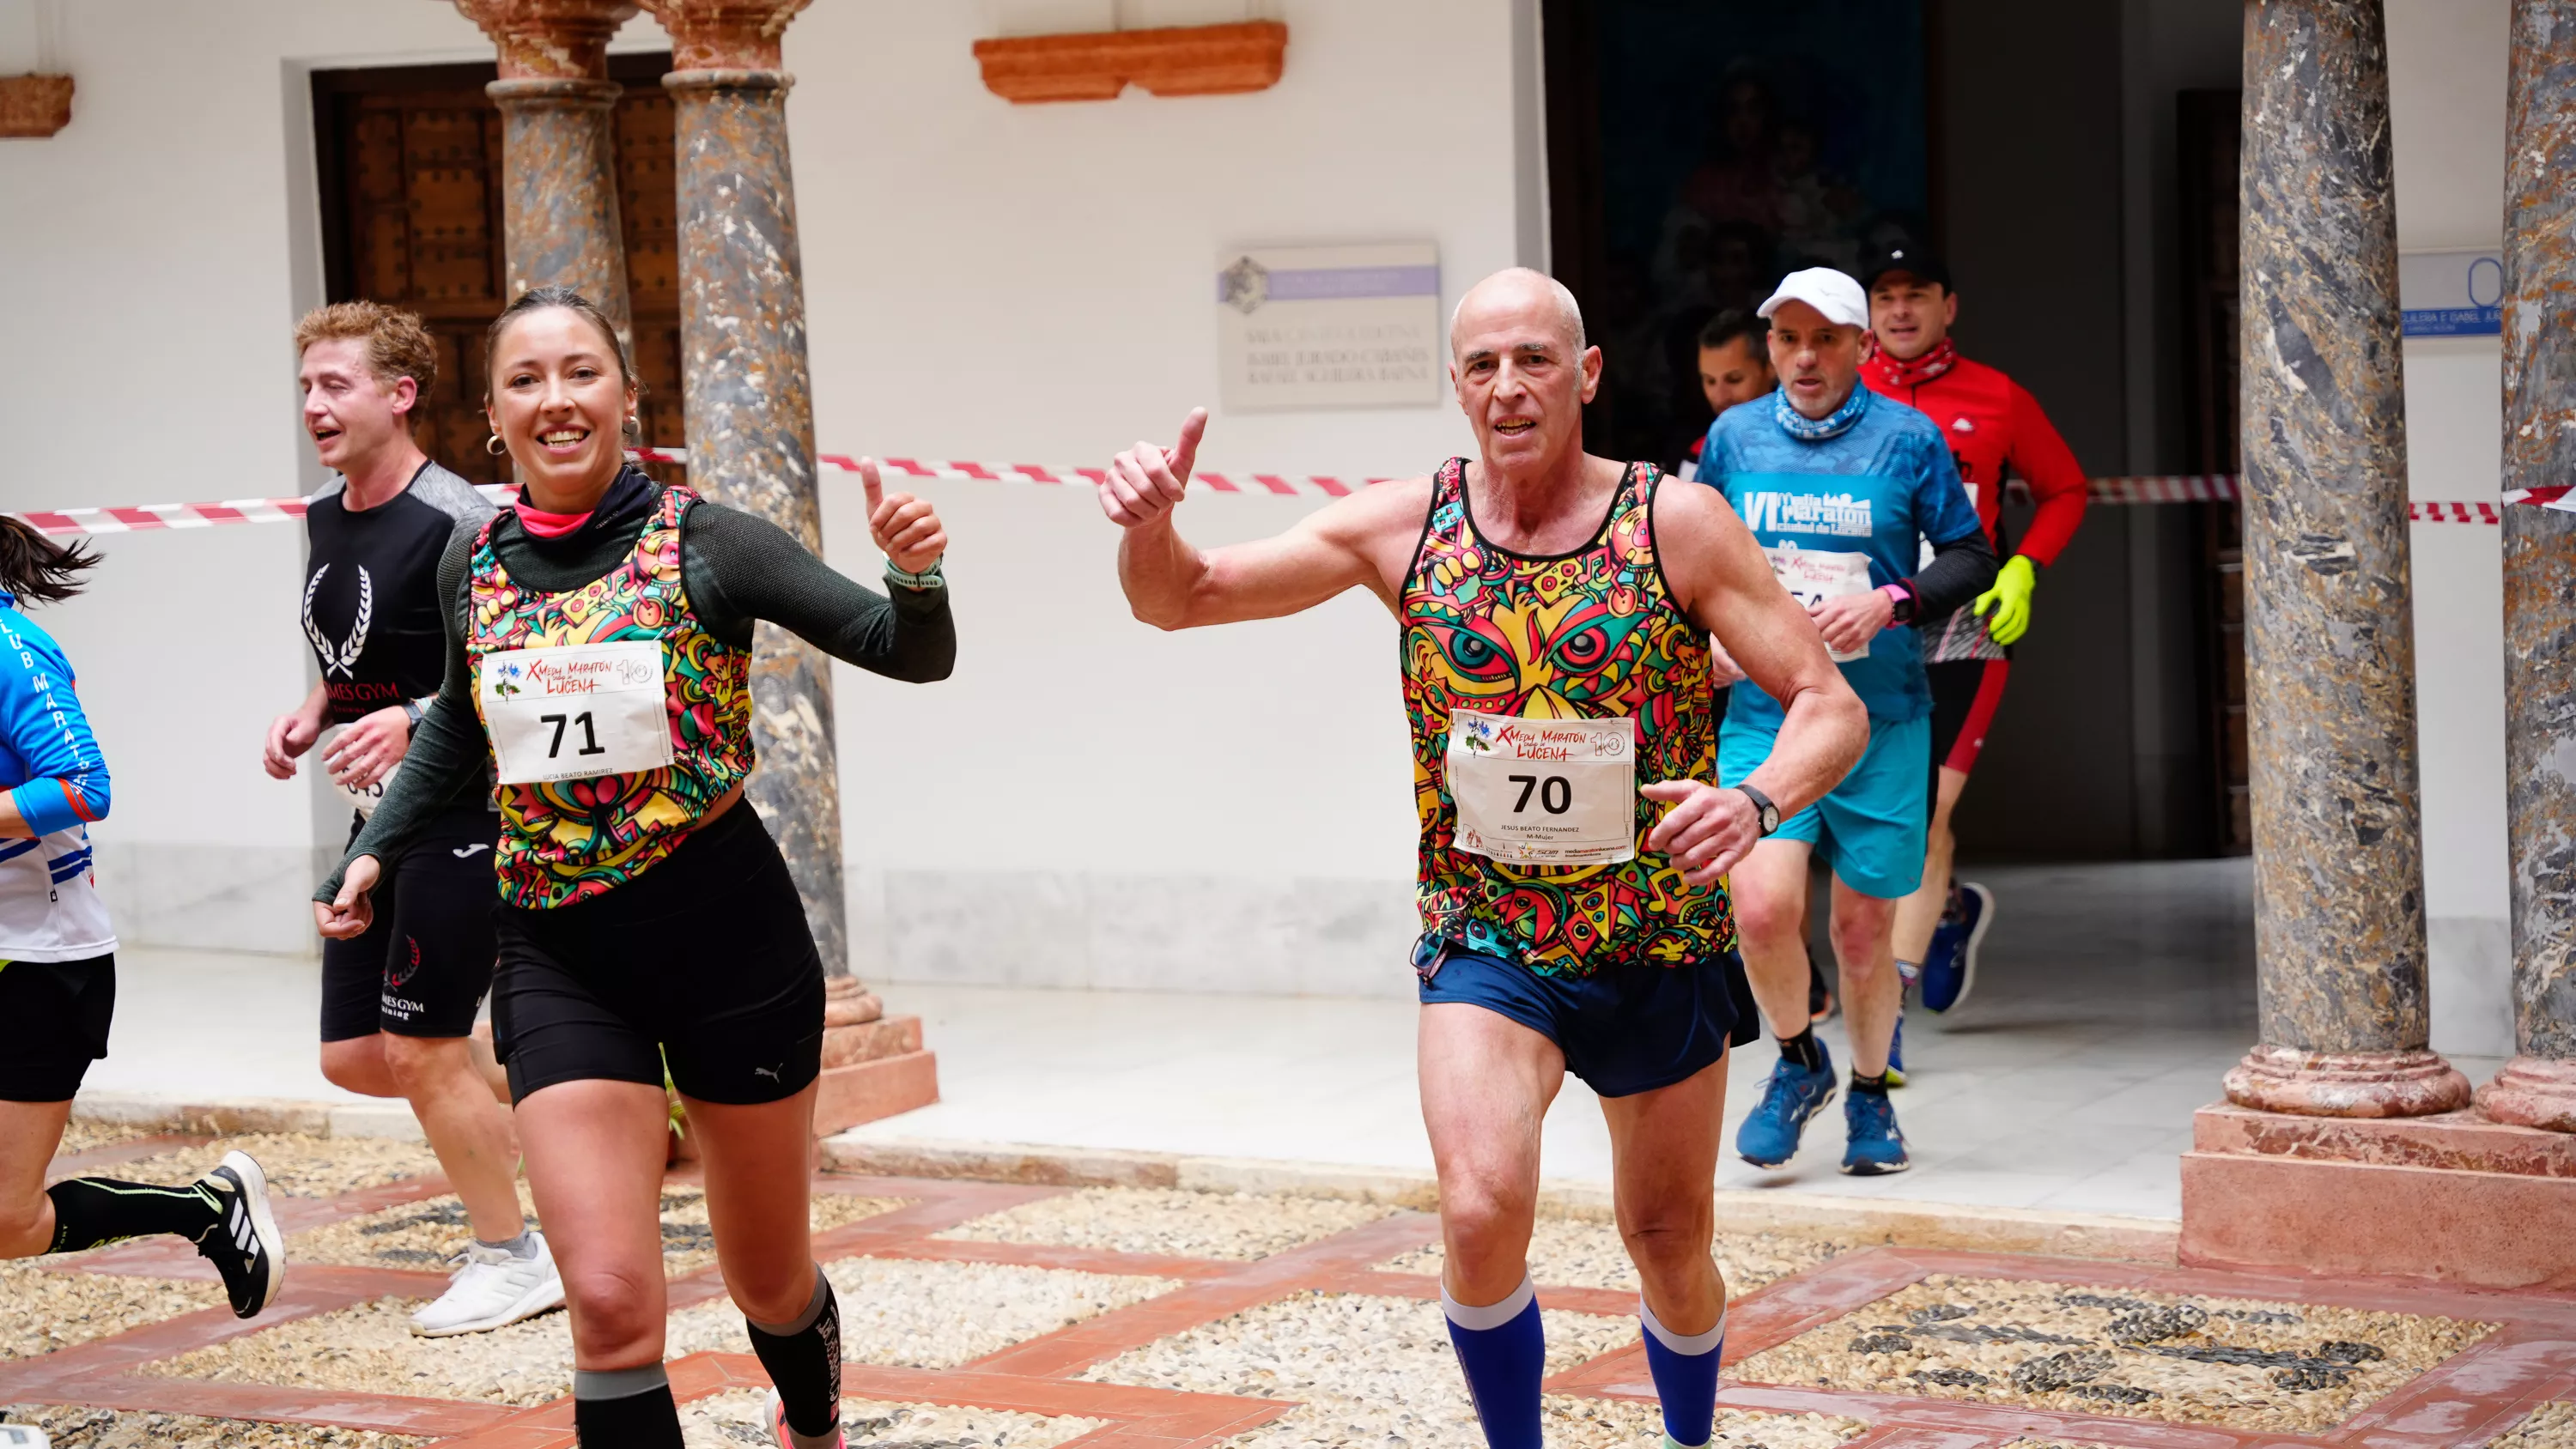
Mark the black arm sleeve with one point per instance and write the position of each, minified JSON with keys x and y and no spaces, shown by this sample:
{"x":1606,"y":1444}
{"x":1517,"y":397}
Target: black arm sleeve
{"x":739,"y":568}
{"x":448,"y":752}
{"x":1959,"y":571}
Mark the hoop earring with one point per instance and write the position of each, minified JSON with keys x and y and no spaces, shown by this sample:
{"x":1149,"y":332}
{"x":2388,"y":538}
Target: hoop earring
{"x":634,"y":431}
{"x":494,"y":446}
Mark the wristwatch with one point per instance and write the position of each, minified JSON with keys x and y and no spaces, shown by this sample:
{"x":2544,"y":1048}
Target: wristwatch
{"x":929,"y":578}
{"x":411,"y":714}
{"x":1763,"y":809}
{"x":1901,"y":600}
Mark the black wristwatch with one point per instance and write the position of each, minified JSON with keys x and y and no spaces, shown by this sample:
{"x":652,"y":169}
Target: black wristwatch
{"x":411,"y":713}
{"x":1763,"y":809}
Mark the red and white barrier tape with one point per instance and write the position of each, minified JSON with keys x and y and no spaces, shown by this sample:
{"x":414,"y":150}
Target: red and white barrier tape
{"x":2170,"y":488}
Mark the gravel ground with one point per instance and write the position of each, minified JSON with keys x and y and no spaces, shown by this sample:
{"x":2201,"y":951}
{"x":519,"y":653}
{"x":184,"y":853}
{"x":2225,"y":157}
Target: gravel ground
{"x":1379,"y":1371}
{"x":297,"y":1166}
{"x":49,"y":1311}
{"x":926,"y":1315}
{"x":91,"y":1136}
{"x":1171,"y":1222}
{"x":2241,"y":1364}
{"x":734,"y":1421}
{"x":424,"y":1235}
{"x":937,"y":1315}
{"x":688,"y":1245}
{"x":1567,"y":1253}
{"x":2551,"y":1426}
{"x":83,"y":1428}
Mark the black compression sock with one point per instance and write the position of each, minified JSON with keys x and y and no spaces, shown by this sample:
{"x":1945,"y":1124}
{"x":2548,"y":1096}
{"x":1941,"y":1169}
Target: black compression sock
{"x":625,"y":1409}
{"x":1803,"y":1049}
{"x":1876,"y":1084}
{"x":91,"y":1212}
{"x":804,"y":1361}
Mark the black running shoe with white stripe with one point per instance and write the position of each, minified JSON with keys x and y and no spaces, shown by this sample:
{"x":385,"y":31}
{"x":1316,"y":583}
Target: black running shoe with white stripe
{"x":245,"y":1247}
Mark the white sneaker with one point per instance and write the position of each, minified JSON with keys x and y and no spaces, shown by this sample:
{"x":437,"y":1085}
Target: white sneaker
{"x":495,"y":1287}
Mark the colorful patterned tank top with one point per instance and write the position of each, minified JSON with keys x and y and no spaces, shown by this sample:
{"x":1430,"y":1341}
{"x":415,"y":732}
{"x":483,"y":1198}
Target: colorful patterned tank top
{"x":567,"y":840}
{"x":1593,"y":633}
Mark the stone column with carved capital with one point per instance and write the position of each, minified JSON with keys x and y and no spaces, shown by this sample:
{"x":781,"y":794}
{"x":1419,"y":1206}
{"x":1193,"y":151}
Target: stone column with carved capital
{"x":559,"y":146}
{"x":2538,"y":1087}
{"x":750,"y":403}
{"x":2338,"y":847}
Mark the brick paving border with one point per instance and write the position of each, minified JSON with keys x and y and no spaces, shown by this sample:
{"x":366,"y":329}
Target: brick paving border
{"x":2465,"y":1401}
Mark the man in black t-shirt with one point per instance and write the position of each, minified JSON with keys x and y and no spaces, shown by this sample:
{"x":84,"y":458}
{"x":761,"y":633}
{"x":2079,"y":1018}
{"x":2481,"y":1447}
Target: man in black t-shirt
{"x":399,"y":1003}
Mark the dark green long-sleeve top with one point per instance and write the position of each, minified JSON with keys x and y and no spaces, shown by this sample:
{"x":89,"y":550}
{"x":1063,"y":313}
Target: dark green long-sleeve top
{"x":736,"y":568}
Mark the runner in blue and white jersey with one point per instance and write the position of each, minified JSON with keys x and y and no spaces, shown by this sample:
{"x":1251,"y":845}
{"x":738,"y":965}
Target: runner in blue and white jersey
{"x":58,"y":967}
{"x":1840,"y":486}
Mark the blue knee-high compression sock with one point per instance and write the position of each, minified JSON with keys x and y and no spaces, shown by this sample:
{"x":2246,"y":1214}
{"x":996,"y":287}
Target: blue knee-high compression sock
{"x":1685,"y":1373}
{"x":1503,"y":1349}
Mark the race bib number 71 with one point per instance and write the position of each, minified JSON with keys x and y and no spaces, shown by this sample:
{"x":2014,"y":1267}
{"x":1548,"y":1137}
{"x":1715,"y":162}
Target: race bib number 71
{"x":1544,"y":791}
{"x":575,"y":711}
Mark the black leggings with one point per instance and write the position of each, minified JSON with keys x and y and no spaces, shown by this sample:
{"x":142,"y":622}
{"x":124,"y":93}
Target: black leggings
{"x":704,"y":961}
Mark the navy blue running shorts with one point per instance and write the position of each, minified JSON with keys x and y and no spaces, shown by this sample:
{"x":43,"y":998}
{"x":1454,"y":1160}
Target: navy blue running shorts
{"x":422,"y":968}
{"x":1624,"y":1029}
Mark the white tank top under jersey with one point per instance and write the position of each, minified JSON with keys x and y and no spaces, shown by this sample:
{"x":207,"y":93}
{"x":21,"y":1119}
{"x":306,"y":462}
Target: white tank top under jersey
{"x":49,"y":905}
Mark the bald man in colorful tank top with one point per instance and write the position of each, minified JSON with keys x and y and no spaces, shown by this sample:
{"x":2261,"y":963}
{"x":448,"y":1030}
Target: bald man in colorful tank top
{"x":1556,"y":612}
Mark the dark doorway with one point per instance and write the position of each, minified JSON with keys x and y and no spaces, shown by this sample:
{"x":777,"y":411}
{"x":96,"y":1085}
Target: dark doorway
{"x":2209,"y":136}
{"x":1698,"y":151}
{"x":410,"y":168}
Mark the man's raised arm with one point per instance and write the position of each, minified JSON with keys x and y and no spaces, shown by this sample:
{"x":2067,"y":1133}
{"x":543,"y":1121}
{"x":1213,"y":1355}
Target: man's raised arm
{"x":1171,"y":584}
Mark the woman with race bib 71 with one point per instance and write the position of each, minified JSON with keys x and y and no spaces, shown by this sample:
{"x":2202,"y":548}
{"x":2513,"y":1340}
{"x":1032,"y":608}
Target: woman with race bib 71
{"x":598,"y":661}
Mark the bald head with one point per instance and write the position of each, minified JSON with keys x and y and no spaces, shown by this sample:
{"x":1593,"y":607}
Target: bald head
{"x":1517,"y":298}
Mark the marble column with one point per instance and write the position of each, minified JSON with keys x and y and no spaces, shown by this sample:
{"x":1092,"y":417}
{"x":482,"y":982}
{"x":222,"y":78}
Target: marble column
{"x":559,"y":146}
{"x":2330,"y":667}
{"x":2538,"y":1087}
{"x":750,"y":405}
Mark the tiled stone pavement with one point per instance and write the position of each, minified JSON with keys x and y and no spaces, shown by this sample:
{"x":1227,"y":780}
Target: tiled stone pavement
{"x":1034,"y":1316}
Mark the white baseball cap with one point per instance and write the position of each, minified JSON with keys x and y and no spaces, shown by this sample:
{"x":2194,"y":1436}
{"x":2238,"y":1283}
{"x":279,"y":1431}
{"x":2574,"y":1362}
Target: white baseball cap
{"x":1828,"y":291}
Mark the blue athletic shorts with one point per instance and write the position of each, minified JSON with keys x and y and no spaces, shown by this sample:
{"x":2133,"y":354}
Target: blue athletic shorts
{"x":1624,"y":1030}
{"x":1871,"y":827}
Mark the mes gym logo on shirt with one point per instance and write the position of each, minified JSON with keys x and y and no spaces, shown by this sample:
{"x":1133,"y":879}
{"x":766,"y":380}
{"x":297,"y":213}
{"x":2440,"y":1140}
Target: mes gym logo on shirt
{"x":1840,"y":513}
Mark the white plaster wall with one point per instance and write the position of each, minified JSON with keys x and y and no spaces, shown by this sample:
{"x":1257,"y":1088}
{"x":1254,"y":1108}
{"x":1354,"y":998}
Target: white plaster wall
{"x":1090,"y":801}
{"x":2447,"y":95}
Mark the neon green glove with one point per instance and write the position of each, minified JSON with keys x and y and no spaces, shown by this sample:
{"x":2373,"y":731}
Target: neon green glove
{"x":2009,"y":599}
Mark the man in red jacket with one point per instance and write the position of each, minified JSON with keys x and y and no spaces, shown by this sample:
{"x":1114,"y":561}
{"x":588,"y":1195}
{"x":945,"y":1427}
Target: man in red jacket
{"x":1992,"y":424}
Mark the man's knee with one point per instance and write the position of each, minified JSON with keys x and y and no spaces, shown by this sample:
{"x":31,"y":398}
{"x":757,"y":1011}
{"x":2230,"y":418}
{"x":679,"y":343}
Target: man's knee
{"x":1860,"y":931}
{"x":358,"y":1065}
{"x":419,"y":1064}
{"x":1487,"y":1222}
{"x":1664,"y":1237}
{"x":1768,"y":914}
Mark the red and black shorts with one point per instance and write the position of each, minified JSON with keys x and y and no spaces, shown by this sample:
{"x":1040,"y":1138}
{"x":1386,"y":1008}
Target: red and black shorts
{"x":1964,"y":695}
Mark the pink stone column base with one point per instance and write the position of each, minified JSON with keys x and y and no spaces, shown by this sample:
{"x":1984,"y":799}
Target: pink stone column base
{"x":2532,"y":1092}
{"x":867,"y":1091}
{"x":2346,"y":1084}
{"x":2481,"y":1229}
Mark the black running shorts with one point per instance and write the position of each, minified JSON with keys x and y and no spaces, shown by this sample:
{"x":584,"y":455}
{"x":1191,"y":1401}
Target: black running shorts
{"x":705,"y":960}
{"x":58,"y":1014}
{"x":422,"y":968}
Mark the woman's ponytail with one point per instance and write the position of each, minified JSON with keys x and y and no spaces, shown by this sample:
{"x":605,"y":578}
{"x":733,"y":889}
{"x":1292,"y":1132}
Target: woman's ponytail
{"x":37,"y":569}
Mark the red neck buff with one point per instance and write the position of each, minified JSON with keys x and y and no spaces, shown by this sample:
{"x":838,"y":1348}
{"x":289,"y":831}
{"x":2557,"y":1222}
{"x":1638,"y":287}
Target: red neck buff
{"x":1889,"y":372}
{"x":548,"y":525}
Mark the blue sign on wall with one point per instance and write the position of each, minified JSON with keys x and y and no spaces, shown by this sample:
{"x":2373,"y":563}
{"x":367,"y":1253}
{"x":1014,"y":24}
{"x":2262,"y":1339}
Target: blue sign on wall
{"x":2451,"y":294}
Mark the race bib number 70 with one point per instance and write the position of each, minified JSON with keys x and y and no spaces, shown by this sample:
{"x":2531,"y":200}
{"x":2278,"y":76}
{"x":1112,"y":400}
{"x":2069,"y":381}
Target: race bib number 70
{"x":575,"y":711}
{"x":1544,"y":791}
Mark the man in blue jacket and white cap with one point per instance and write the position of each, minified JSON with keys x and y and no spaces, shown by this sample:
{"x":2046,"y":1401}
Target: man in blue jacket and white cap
{"x":1841,"y":487}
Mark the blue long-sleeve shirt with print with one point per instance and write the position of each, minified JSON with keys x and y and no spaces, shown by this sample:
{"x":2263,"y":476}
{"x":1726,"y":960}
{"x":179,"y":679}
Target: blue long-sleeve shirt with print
{"x":49,"y":761}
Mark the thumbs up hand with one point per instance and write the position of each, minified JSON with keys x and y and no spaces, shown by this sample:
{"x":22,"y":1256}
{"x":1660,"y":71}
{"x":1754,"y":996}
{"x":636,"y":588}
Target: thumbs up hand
{"x":904,"y":527}
{"x":1145,"y":482}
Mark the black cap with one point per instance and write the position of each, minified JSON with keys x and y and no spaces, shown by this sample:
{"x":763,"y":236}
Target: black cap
{"x":1910,"y":257}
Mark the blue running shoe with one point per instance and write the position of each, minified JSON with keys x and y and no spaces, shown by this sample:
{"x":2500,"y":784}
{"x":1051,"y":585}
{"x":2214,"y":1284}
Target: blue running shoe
{"x":1769,"y":1135}
{"x":1876,"y":1148}
{"x":1896,"y":1053}
{"x":1950,"y":967}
